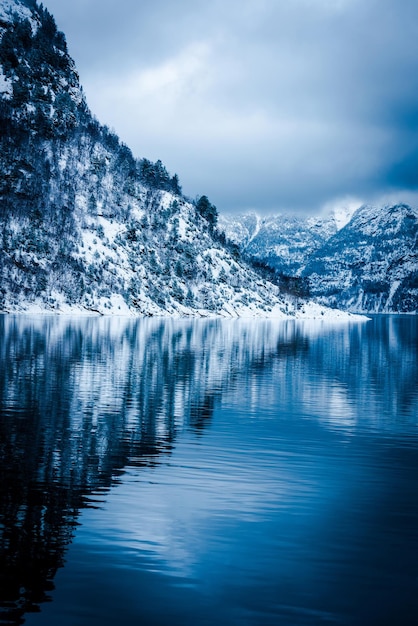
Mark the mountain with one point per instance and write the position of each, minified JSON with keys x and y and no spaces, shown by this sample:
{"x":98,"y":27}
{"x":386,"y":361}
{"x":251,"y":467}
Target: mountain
{"x":283,"y":242}
{"x":371,"y":264}
{"x":365,"y":262}
{"x":85,"y":226}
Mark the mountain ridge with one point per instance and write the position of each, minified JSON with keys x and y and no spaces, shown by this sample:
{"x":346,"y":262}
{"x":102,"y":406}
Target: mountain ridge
{"x":87,"y":227}
{"x":372,"y":261}
{"x":367,"y":265}
{"x":283,"y":241}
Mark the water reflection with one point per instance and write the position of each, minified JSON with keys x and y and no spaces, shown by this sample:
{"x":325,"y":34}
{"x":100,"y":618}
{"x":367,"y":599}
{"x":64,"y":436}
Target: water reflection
{"x":82,"y":400}
{"x":79,"y":399}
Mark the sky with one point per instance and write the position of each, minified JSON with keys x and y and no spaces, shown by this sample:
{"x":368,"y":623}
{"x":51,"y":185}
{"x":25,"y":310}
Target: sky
{"x":266,"y":105}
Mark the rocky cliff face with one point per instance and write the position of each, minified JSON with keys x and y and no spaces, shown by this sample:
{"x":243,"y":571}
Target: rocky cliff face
{"x":371,"y":264}
{"x":284,"y":242}
{"x":367,"y":262}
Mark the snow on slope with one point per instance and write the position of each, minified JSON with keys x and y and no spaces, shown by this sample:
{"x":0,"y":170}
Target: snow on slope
{"x":371,"y":265}
{"x":284,"y":241}
{"x":83,"y":229}
{"x":9,"y":8}
{"x":362,"y":260}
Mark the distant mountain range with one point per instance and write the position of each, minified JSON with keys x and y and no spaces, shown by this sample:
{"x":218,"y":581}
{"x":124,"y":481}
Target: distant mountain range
{"x":366,"y":261}
{"x":85,"y":226}
{"x":284,"y":242}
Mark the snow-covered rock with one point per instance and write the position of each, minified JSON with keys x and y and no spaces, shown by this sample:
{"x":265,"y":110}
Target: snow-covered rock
{"x":364,"y":261}
{"x":371,"y":264}
{"x":285,"y":242}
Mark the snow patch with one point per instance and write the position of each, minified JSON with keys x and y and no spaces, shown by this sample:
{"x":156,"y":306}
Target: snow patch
{"x":6,"y":86}
{"x":9,"y":8}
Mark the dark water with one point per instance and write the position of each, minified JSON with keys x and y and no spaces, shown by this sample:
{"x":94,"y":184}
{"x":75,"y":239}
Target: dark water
{"x":211,"y":472}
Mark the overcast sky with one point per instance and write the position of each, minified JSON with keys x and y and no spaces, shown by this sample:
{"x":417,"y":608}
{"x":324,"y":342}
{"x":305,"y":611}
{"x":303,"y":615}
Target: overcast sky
{"x":260,"y":104}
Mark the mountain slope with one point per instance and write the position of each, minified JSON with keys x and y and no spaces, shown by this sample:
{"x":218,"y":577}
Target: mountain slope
{"x":284,"y":242}
{"x":84,"y":225}
{"x":366,"y":262}
{"x":371,"y":264}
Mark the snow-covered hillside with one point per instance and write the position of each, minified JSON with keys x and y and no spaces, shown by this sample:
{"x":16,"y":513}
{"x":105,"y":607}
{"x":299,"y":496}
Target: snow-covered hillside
{"x":364,"y":260}
{"x":285,"y":242}
{"x":371,"y":264}
{"x":87,"y":227}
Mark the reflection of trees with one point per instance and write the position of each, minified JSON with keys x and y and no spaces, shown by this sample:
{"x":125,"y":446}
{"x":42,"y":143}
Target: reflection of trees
{"x":80,"y":400}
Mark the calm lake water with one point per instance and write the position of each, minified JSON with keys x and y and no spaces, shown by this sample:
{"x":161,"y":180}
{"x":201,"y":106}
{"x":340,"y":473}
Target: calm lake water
{"x":208,"y":472}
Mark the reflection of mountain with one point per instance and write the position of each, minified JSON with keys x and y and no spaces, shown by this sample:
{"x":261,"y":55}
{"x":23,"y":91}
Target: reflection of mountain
{"x":81,"y":399}
{"x":367,"y":374}
{"x":359,"y":376}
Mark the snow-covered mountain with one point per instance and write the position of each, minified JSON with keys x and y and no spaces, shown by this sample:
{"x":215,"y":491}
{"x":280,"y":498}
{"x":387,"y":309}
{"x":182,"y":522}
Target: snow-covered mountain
{"x":363,"y":261}
{"x":371,"y":264}
{"x":86,"y":226}
{"x":284,"y":242}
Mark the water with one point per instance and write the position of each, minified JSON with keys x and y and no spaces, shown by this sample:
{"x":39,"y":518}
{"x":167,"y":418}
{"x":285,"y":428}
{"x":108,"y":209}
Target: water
{"x":208,"y":472}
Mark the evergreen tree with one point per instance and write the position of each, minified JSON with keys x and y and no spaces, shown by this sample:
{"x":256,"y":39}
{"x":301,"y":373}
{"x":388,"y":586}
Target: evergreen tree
{"x":207,"y":210}
{"x":175,"y":185}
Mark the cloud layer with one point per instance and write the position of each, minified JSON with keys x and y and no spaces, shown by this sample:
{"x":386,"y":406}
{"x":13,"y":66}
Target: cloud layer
{"x":264,"y":104}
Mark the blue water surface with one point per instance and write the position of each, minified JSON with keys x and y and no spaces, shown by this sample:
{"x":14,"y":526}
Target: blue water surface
{"x":243,"y":472}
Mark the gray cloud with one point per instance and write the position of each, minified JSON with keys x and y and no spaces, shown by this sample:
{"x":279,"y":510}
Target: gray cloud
{"x":266,"y":104}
